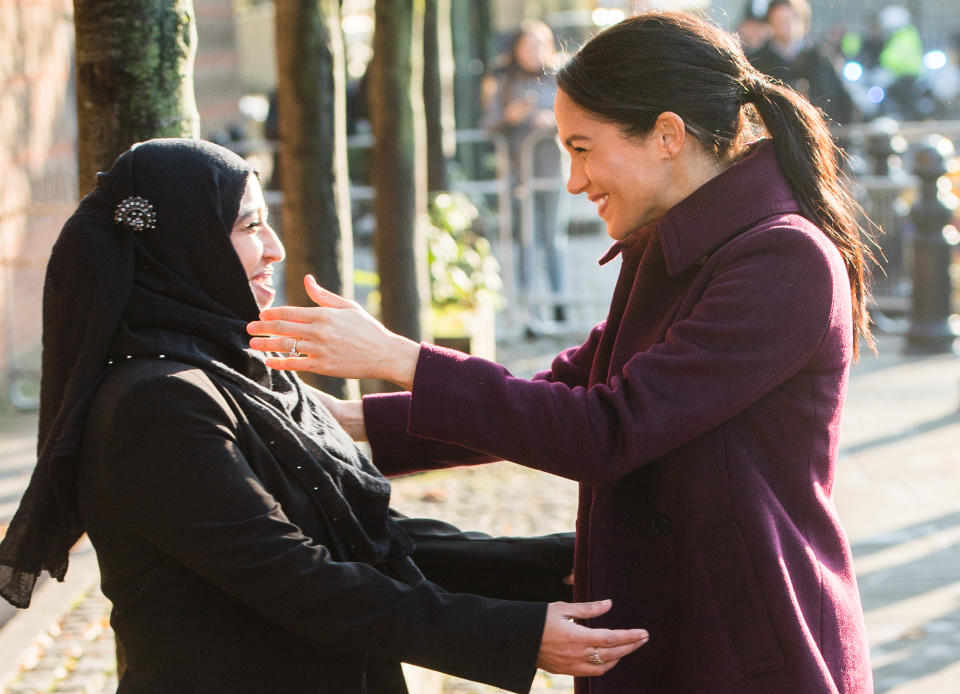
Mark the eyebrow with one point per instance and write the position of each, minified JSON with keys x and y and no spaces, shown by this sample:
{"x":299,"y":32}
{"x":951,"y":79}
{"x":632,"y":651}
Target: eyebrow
{"x":250,"y":210}
{"x":246,"y":215}
{"x":573,"y":138}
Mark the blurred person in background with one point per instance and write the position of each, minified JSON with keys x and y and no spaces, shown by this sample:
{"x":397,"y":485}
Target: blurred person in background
{"x":753,"y":29}
{"x":791,"y":56}
{"x":518,"y":101}
{"x":901,"y":59}
{"x":902,"y":50}
{"x":897,"y":80}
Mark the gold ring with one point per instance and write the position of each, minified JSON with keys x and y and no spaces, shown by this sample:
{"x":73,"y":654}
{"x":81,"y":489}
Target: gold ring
{"x":594,"y":657}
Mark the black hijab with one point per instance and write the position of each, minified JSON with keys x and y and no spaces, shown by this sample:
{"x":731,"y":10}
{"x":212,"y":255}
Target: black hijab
{"x":145,"y":268}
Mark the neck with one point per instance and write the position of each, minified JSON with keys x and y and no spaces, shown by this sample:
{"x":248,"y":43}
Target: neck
{"x":693,"y":169}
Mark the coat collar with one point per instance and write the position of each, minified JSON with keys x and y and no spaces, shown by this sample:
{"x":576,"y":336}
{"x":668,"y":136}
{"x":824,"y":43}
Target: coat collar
{"x":752,"y":189}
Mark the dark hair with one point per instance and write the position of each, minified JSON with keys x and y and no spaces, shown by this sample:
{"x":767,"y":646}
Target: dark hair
{"x":653,"y":62}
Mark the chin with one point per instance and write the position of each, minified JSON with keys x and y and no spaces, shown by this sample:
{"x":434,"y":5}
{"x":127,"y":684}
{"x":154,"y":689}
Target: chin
{"x":616,"y":233}
{"x":263,"y":299}
{"x":264,"y":302}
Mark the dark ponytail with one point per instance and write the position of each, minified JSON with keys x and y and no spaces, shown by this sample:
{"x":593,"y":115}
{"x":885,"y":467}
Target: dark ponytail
{"x":810,"y":160}
{"x":653,"y":62}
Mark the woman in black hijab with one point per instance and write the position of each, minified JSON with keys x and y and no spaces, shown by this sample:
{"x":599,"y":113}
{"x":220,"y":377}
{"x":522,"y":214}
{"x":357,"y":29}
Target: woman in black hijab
{"x":244,"y":540}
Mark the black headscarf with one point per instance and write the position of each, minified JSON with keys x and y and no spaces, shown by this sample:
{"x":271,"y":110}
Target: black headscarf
{"x":171,"y":284}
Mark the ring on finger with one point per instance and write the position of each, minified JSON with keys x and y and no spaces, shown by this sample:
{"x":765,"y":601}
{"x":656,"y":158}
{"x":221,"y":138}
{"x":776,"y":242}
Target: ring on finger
{"x":295,"y":350}
{"x":594,"y":657}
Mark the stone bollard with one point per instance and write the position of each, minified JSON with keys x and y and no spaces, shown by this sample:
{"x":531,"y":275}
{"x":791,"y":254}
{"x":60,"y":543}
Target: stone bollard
{"x":930,"y":330}
{"x":878,"y":145}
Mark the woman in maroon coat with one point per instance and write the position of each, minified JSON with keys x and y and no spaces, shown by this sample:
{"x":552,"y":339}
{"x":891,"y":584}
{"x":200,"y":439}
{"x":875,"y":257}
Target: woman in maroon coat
{"x":702,"y":417}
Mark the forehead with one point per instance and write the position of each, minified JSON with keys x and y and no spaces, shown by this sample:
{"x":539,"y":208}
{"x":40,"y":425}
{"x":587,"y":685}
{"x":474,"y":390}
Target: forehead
{"x":564,"y":108}
{"x":252,"y":198}
{"x":574,"y":122}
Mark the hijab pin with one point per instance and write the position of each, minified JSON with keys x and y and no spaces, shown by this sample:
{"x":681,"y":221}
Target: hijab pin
{"x":136,"y":213}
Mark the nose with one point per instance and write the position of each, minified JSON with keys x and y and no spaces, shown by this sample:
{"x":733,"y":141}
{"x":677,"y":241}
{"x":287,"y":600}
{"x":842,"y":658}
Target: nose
{"x":577,"y":182}
{"x":272,"y":247}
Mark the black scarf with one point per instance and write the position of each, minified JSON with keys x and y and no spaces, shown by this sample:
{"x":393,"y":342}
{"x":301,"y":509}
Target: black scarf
{"x":179,"y":290}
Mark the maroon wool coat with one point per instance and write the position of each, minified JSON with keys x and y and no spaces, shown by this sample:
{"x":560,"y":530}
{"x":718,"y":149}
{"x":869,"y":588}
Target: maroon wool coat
{"x":701,"y":420}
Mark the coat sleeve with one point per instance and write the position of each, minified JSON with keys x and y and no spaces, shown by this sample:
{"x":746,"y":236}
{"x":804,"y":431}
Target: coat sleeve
{"x":760,"y":318}
{"x":182,"y":482}
{"x":397,"y":452}
{"x":572,"y":366}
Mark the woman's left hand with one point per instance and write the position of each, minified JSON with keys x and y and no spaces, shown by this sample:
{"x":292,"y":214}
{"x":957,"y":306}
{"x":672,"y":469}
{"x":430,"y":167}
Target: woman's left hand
{"x":572,"y":649}
{"x":348,"y":413}
{"x":335,"y":338}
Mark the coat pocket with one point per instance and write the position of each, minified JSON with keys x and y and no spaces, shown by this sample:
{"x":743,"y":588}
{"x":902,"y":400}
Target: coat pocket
{"x":739,"y":602}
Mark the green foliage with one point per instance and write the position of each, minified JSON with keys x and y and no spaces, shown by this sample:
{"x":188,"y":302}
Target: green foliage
{"x":464,"y":274}
{"x":463,"y":270}
{"x":367,"y":282}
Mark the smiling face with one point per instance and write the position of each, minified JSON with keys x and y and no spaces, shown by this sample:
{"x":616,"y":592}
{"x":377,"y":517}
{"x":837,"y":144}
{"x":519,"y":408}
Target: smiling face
{"x":627,"y":178}
{"x":256,"y":243}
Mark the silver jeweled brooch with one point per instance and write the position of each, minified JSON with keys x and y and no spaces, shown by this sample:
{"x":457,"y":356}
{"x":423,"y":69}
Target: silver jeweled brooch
{"x":136,"y":213}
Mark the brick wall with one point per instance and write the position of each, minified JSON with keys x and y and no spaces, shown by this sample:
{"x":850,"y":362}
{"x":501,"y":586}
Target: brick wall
{"x":38,"y":134}
{"x":38,"y":161}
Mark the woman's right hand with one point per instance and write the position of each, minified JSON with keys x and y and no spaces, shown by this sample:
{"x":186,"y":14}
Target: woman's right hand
{"x":567,"y":647}
{"x":337,"y":337}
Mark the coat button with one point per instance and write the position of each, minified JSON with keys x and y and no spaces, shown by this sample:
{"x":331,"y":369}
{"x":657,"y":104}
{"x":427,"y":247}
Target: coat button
{"x":661,"y":524}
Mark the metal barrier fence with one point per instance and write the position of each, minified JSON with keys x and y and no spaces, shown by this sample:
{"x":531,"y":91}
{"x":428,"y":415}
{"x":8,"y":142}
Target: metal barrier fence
{"x":887,"y":194}
{"x":886,"y":202}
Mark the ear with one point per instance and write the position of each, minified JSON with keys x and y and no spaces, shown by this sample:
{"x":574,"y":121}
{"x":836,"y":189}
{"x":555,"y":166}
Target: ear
{"x":671,"y":133}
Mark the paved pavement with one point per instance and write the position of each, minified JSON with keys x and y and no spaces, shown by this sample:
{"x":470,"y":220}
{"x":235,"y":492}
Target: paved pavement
{"x":897,"y":491}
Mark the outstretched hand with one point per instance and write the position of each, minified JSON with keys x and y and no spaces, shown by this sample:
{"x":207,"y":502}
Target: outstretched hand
{"x":334,"y":338}
{"x":572,"y":649}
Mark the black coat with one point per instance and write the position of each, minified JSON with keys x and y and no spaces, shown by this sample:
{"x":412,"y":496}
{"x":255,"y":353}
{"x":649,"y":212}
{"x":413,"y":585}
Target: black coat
{"x":218,"y":566}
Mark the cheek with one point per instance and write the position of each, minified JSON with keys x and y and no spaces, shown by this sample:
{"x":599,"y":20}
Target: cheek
{"x":608,"y":174}
{"x":248,"y":250}
{"x":609,"y":169}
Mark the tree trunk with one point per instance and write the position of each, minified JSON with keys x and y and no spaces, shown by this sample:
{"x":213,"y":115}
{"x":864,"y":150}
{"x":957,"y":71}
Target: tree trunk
{"x":134,"y":77}
{"x":311,"y":109}
{"x":134,"y":82}
{"x":399,"y":171}
{"x":438,"y":93}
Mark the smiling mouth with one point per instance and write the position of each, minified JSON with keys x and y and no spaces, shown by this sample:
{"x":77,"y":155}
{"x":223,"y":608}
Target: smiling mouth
{"x":264,"y":280}
{"x":601,"y":202}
